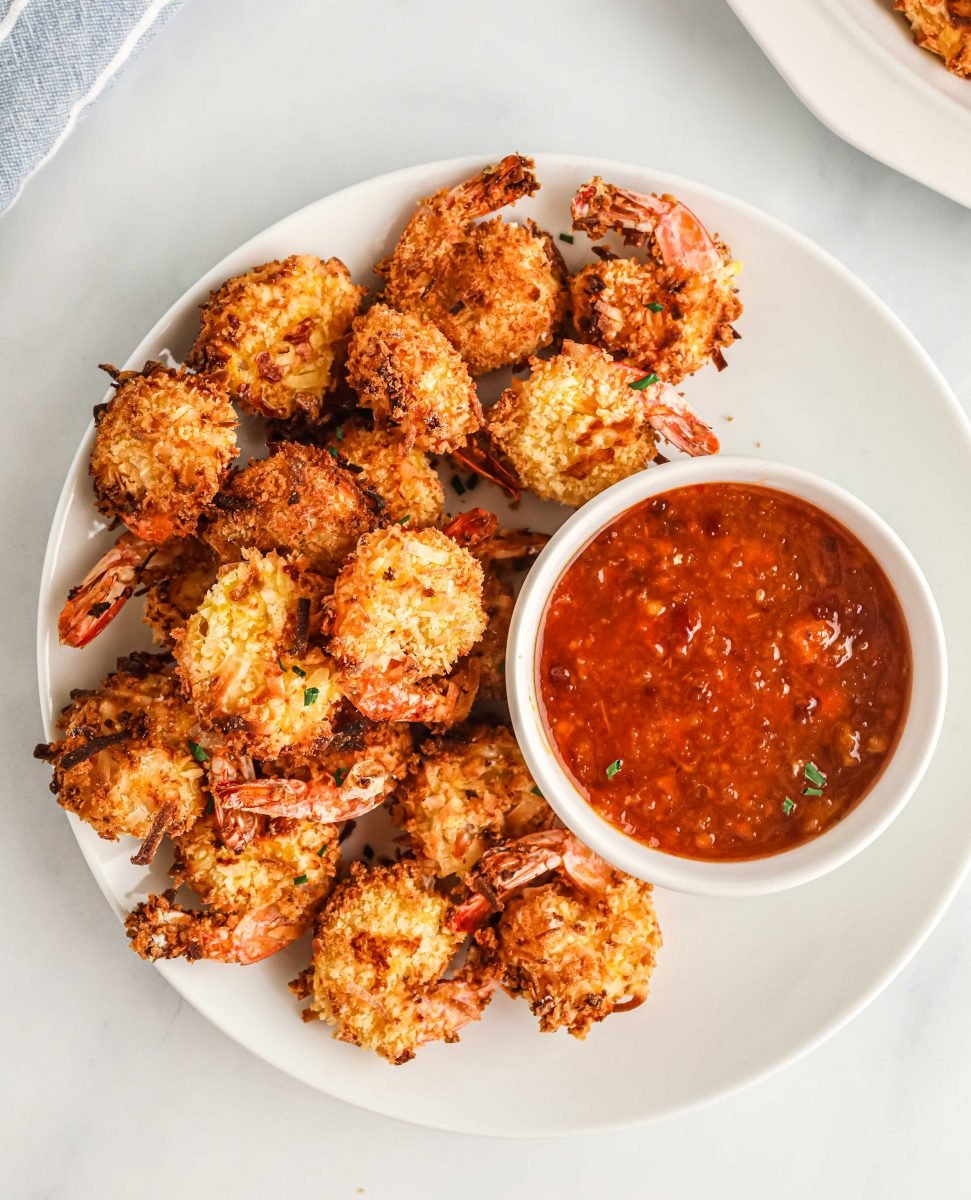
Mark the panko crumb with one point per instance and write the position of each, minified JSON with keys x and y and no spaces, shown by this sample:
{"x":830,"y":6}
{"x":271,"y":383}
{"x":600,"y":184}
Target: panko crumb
{"x":277,"y":335}
{"x":574,"y":426}
{"x":404,"y":479}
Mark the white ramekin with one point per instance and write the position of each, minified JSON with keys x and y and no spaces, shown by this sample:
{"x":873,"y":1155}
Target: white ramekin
{"x":892,"y":789}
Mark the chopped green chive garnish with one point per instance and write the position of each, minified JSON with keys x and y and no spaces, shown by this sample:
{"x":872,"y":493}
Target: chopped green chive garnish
{"x":566,"y":237}
{"x":811,"y":791}
{"x":332,"y":452}
{"x":340,"y":433}
{"x":367,"y":851}
{"x":310,"y":696}
{"x":614,"y":767}
{"x":655,"y":307}
{"x":536,"y":792}
{"x":210,"y":807}
{"x":788,"y":805}
{"x":472,"y":483}
{"x":648,"y":381}
{"x":340,"y":775}
{"x":815,"y":775}
{"x":282,"y":667}
{"x":300,"y":879}
{"x":320,"y":852}
{"x":197,"y":752}
{"x":405,"y":519}
{"x":458,"y":485}
{"x":299,"y":671}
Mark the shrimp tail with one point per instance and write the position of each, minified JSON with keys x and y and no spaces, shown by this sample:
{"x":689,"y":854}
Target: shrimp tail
{"x":321,"y":800}
{"x":101,"y":595}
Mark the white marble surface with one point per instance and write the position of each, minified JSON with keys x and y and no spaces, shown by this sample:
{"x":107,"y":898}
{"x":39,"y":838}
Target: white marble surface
{"x":110,"y":1085}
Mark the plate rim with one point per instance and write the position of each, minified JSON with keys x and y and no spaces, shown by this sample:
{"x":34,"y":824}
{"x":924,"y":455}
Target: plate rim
{"x":417,"y":171}
{"x":876,"y":71}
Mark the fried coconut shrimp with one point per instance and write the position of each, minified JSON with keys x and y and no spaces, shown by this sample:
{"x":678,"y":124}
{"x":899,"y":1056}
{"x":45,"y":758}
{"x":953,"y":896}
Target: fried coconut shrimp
{"x":495,"y":289}
{"x":407,"y":607}
{"x":406,"y":372}
{"x":576,"y":425}
{"x":360,"y":768}
{"x":499,"y":601}
{"x":124,"y":765}
{"x":277,"y":335}
{"x":259,"y":899}
{"x":404,"y":479}
{"x":381,"y":949}
{"x":162,"y":445}
{"x":250,"y":659}
{"x":466,"y":792}
{"x":670,"y":314}
{"x":944,"y":28}
{"x":176,"y":580}
{"x":578,"y":947}
{"x":300,"y":500}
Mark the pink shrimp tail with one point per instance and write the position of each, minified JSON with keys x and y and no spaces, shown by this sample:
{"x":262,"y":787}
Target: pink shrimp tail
{"x":101,"y":595}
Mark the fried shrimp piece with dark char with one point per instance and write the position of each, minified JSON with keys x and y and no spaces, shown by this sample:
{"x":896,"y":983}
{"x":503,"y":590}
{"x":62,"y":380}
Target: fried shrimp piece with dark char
{"x":407,"y":598}
{"x":381,"y":949}
{"x":359,"y":769}
{"x":499,"y":602}
{"x":250,"y":657}
{"x":277,"y":335}
{"x":577,"y":956}
{"x":259,"y":899}
{"x":403,"y":478}
{"x":125,"y":764}
{"x":467,"y":791}
{"x":407,"y":373}
{"x":297,"y":500}
{"x":495,"y":289}
{"x":176,"y":580}
{"x":670,"y":314}
{"x":162,"y":445}
{"x":944,"y":28}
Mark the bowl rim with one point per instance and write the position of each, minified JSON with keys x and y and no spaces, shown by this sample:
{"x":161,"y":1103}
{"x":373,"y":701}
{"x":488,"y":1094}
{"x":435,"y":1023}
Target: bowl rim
{"x":886,"y":797}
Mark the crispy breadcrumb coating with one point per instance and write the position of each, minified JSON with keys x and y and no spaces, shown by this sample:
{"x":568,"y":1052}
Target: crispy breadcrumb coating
{"x":277,"y":335}
{"x":262,"y":897}
{"x":381,"y":947}
{"x":176,"y":580}
{"x":238,"y":652}
{"x":944,"y":28}
{"x":496,"y":290}
{"x":404,"y":479}
{"x":574,"y":426}
{"x":406,"y":372}
{"x":162,"y":445}
{"x":297,"y":500}
{"x":411,"y":597}
{"x":578,"y":957}
{"x":467,"y":791}
{"x":125,"y":754}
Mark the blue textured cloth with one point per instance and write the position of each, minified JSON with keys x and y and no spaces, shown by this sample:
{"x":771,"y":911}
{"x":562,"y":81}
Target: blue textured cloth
{"x":56,"y":57}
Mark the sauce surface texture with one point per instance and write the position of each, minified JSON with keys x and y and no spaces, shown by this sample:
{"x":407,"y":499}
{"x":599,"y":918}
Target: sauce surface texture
{"x":724,"y":671}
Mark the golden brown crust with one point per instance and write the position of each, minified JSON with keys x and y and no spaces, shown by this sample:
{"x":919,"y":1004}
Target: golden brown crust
{"x":381,"y":947}
{"x":496,"y":290}
{"x":277,"y":335}
{"x":406,"y":372}
{"x":237,"y":653}
{"x":467,"y":791}
{"x":407,"y":598}
{"x":574,"y":426}
{"x":611,"y":307}
{"x":161,"y":448}
{"x":944,"y":28}
{"x":297,"y":500}
{"x":577,"y":958}
{"x":138,"y":716}
{"x":177,"y":580}
{"x":404,"y":479}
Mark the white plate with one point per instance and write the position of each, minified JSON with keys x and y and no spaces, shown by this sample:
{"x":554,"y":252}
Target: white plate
{"x":856,"y":66}
{"x":825,"y":378}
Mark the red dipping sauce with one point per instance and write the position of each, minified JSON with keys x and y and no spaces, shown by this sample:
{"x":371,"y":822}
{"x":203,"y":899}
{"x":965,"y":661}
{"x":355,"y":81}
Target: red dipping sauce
{"x":724,"y":671}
